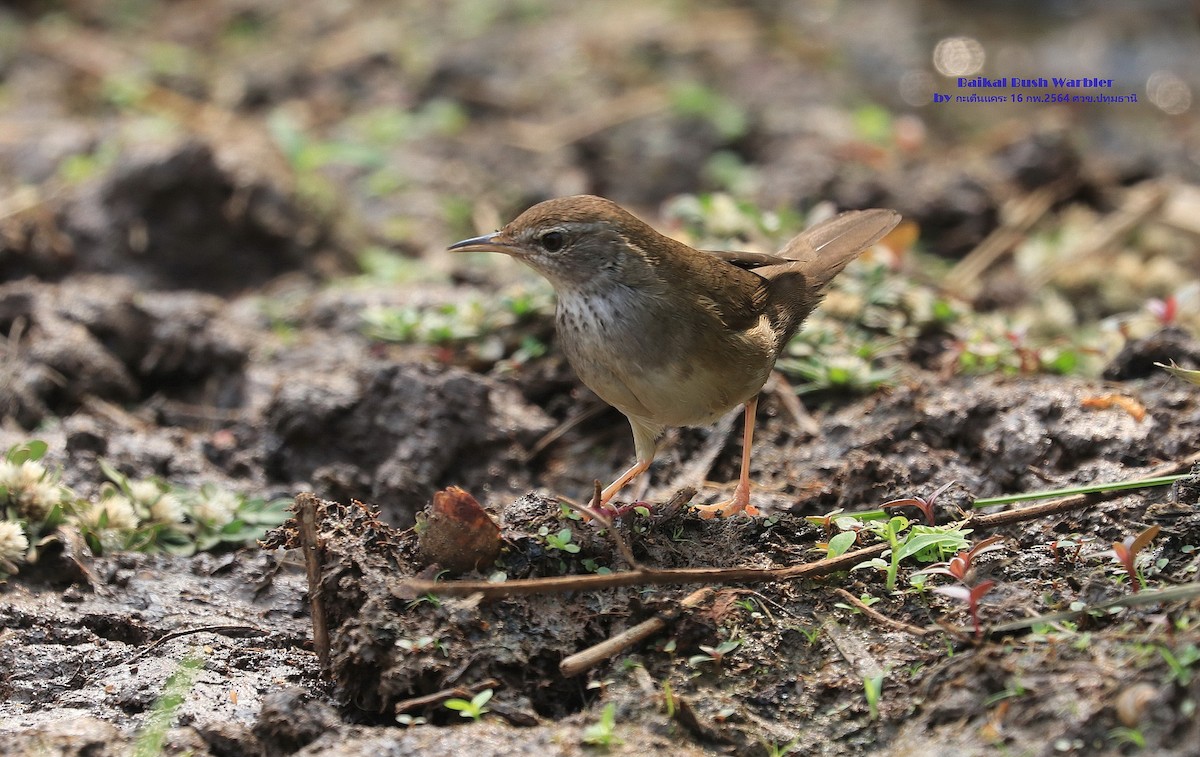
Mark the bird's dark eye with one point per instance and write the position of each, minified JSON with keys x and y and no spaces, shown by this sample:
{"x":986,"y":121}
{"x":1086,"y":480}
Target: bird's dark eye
{"x":553,"y":241}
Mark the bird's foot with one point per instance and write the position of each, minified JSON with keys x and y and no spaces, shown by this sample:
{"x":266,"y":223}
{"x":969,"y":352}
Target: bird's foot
{"x":740,"y":503}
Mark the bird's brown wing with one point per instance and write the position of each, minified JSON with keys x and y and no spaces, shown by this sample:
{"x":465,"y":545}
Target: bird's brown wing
{"x":815,"y":257}
{"x":820,"y":253}
{"x":746,"y":260}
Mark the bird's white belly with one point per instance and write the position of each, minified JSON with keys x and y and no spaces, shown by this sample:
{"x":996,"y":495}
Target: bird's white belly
{"x":673,"y":386}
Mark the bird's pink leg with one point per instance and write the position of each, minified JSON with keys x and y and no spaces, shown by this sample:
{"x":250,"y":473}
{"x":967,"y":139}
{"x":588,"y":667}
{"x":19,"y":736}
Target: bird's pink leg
{"x":740,"y":503}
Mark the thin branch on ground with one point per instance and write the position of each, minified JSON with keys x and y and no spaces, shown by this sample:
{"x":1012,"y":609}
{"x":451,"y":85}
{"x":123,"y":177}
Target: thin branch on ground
{"x":437,"y":697}
{"x":409,"y":588}
{"x":594,"y":655}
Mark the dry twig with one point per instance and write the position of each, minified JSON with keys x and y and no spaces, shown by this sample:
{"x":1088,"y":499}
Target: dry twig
{"x":306,"y":517}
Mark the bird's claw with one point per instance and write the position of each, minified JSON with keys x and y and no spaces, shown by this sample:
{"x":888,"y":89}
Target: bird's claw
{"x":726,"y":509}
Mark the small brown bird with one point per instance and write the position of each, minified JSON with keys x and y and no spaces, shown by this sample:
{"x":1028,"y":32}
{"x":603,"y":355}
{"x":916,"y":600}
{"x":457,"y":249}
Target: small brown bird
{"x":669,"y":335}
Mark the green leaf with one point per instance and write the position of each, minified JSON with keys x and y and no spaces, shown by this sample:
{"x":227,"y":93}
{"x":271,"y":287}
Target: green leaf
{"x":841,"y":543}
{"x":875,"y":562}
{"x":34,"y":449}
{"x":921,"y":542}
{"x":117,"y":477}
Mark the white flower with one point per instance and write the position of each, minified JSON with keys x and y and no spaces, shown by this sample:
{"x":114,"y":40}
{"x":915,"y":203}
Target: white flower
{"x":13,"y":542}
{"x":18,"y":478}
{"x":168,"y":509}
{"x":29,"y":488}
{"x":144,"y":493}
{"x":40,"y":499}
{"x":119,"y":510}
{"x":216,"y":509}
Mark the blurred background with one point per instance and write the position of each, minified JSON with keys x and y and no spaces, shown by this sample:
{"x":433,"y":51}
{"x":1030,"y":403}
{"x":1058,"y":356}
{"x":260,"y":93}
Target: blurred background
{"x":415,"y":123}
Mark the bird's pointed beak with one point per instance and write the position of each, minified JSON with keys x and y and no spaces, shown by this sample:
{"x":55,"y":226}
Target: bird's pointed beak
{"x":494,"y":242}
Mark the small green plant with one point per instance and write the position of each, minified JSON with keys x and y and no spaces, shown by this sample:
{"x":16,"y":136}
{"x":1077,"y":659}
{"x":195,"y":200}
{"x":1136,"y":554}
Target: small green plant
{"x":33,"y":503}
{"x":480,"y":327}
{"x":153,"y":734}
{"x":475,"y":708}
{"x":990,"y":344}
{"x":1013,"y":690}
{"x":865,"y":598}
{"x":604,"y":732}
{"x":148,"y":515}
{"x":695,"y":100}
{"x":714,"y":655}
{"x":1180,"y":663}
{"x":839,"y":544}
{"x":839,"y":373}
{"x":924,"y":543}
{"x":405,"y":719}
{"x":751,"y":606}
{"x":873,"y":691}
{"x":591,"y":566}
{"x":430,"y":599}
{"x":781,"y":750}
{"x":560,"y":541}
{"x":1128,"y":736}
{"x":810,"y":634}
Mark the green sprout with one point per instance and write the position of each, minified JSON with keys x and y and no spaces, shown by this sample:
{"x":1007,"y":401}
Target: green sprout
{"x":151,"y":737}
{"x":474,"y":708}
{"x":560,"y":541}
{"x":1180,"y":663}
{"x":603,"y":733}
{"x":781,"y":750}
{"x":924,"y":543}
{"x":873,"y":691}
{"x":715,"y":655}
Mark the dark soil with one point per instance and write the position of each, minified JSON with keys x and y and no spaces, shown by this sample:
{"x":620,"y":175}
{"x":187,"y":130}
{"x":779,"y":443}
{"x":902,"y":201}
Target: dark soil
{"x":191,"y":195}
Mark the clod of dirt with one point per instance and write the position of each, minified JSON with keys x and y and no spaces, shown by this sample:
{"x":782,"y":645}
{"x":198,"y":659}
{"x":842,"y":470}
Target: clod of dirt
{"x":386,"y":649}
{"x":953,"y":207}
{"x":400,"y":431}
{"x":174,"y":219}
{"x":391,"y":648}
{"x":1037,"y":159}
{"x":99,"y":337}
{"x":494,"y":738}
{"x":292,"y":719}
{"x":670,"y":155}
{"x":458,"y":534}
{"x":1137,"y":358}
{"x":72,"y":735}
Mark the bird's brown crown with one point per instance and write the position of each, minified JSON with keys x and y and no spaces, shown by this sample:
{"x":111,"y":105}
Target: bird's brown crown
{"x":576,"y":210}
